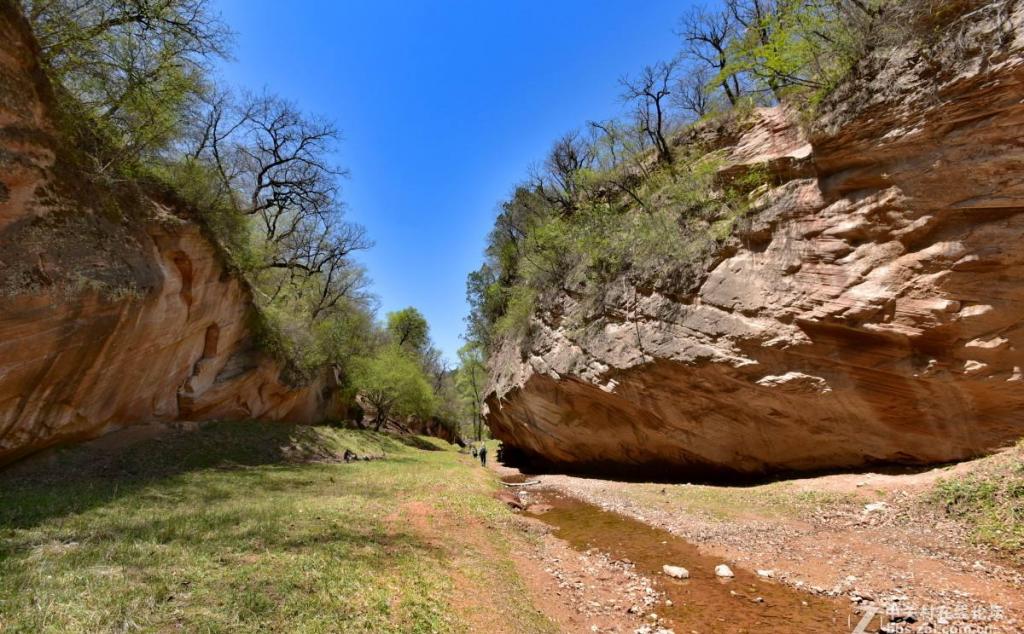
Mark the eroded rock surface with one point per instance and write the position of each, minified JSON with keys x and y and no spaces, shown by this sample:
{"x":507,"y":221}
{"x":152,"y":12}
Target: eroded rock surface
{"x":872,"y":312}
{"x":105,"y":321}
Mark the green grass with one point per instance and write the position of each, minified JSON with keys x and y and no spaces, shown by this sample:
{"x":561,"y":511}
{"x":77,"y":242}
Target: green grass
{"x":247,"y":527}
{"x":776,"y":500}
{"x":990,"y":501}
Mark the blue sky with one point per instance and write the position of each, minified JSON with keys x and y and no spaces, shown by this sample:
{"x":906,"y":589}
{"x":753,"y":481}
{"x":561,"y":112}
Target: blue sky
{"x":444,"y":105}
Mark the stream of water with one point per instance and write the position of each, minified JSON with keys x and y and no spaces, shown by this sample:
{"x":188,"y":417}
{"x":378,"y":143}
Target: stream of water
{"x":703,"y":603}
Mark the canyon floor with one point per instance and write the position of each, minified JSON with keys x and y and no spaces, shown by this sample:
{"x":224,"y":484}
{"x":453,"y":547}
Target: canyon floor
{"x":248,"y":527}
{"x":878,"y":541}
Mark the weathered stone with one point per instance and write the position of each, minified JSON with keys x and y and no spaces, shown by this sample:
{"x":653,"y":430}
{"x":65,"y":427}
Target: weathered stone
{"x":107,"y":323}
{"x":676,"y":572}
{"x":873,"y":311}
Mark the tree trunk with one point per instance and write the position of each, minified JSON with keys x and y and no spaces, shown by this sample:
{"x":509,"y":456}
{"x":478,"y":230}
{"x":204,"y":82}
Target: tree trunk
{"x":382,"y":417}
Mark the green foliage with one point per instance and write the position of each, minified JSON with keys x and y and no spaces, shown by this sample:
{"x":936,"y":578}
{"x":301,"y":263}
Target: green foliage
{"x":199,"y":186}
{"x":515,"y":322}
{"x":990,"y":501}
{"x":408,"y":329}
{"x":800,"y":46}
{"x":661,"y":234}
{"x":134,"y":69}
{"x":394,"y":383}
{"x":138,"y":102}
{"x":470,"y":380}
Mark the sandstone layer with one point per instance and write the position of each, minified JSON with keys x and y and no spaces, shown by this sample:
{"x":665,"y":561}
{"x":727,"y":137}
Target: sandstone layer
{"x":109,"y":320}
{"x":872,"y":312}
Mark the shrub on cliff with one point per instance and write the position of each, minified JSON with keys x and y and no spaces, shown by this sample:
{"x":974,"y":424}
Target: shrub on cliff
{"x":640,"y":197}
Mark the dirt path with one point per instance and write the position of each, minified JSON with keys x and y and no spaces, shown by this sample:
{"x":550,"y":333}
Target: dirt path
{"x":865,"y":538}
{"x":559,"y":589}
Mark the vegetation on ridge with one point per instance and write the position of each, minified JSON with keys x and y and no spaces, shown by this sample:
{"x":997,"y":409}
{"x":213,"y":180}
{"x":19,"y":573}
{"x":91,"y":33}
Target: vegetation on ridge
{"x":641,"y":198}
{"x":139,"y":99}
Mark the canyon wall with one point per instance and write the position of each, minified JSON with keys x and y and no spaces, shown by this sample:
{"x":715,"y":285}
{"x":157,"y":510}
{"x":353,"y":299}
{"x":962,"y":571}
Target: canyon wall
{"x":872,"y":311}
{"x":110,"y":319}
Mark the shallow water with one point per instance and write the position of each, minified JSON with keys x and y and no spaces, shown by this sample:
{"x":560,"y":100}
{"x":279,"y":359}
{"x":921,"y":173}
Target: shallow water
{"x":703,"y":603}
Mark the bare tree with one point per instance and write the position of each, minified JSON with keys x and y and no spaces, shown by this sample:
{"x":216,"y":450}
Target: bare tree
{"x":609,"y":145}
{"x":691,"y":95}
{"x":284,"y":160}
{"x":707,"y":35}
{"x":272,"y":164}
{"x":649,"y":94}
{"x":619,"y":156}
{"x":560,"y":181}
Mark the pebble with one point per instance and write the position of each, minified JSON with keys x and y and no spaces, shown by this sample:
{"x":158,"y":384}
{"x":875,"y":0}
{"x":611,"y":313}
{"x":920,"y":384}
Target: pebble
{"x":721,"y":570}
{"x":768,"y":574}
{"x":676,"y":572}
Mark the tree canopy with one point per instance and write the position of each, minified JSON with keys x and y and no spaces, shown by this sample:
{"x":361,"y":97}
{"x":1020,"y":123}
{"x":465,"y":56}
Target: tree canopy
{"x":393,"y":382}
{"x":409,"y":330}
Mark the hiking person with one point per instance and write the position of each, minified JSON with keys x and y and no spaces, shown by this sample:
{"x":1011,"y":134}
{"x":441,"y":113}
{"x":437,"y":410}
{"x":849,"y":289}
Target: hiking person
{"x":483,"y":455}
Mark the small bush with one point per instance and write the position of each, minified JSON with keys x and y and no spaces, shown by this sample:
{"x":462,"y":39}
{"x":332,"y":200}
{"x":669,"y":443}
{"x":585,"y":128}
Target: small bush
{"x":518,"y":312}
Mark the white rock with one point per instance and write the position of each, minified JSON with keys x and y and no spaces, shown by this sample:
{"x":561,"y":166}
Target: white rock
{"x":875,"y":506}
{"x":677,"y":572}
{"x":721,"y":570}
{"x":768,"y":574}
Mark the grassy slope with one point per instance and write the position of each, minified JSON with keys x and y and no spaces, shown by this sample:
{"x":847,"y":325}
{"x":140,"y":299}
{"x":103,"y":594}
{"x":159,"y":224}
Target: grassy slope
{"x":990,"y":501}
{"x":243,"y":527}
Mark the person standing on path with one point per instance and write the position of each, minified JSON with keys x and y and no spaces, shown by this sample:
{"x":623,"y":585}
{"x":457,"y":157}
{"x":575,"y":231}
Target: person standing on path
{"x":483,"y":455}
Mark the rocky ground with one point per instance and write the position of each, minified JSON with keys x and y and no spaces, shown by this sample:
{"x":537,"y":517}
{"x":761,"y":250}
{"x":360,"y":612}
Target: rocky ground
{"x":587,"y":591}
{"x":868,"y":538}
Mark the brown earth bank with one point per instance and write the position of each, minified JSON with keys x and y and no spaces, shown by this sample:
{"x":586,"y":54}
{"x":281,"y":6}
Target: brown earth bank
{"x":871,"y":311}
{"x":115,"y":309}
{"x":870,"y":541}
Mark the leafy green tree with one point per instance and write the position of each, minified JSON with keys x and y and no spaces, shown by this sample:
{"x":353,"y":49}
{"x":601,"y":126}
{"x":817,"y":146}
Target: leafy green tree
{"x":806,"y":45}
{"x":135,"y":66}
{"x":394,"y":384}
{"x":409,"y":330}
{"x":470,"y":380}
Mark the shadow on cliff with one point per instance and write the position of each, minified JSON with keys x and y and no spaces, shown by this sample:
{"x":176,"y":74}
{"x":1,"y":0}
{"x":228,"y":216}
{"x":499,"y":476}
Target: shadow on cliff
{"x":69,"y":480}
{"x":713,"y":475}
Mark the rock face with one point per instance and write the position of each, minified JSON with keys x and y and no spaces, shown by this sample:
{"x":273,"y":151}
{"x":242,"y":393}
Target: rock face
{"x":872,"y":312}
{"x":107,"y":322}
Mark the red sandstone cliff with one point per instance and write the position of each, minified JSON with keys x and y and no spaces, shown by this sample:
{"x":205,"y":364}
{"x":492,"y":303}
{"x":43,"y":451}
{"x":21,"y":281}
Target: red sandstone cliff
{"x":108,"y":321}
{"x":874,"y":310}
